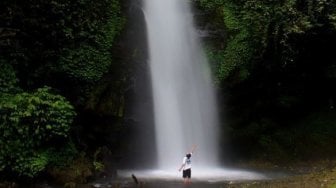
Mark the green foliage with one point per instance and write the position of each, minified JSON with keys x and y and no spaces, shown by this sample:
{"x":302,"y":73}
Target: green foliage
{"x":98,"y":165}
{"x":8,"y":80}
{"x":89,"y":56}
{"x":211,"y":4}
{"x":85,"y":63}
{"x":60,"y":157}
{"x":276,"y":62}
{"x":239,"y":48}
{"x":229,"y":60}
{"x":36,"y":160}
{"x":316,"y":131}
{"x":57,"y":42}
{"x":255,"y":29}
{"x":30,"y":124}
{"x":30,"y":165}
{"x":307,"y":139}
{"x":67,"y":45}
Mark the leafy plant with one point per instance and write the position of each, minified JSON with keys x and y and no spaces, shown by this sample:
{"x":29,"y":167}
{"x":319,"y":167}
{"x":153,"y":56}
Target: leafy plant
{"x":31,"y":124}
{"x":98,"y":166}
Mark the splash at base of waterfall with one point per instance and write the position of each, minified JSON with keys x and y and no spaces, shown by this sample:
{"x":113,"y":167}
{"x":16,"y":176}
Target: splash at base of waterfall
{"x":212,"y":175}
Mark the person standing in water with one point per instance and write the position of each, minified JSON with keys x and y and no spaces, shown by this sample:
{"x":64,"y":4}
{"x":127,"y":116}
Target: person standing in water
{"x":186,"y":166}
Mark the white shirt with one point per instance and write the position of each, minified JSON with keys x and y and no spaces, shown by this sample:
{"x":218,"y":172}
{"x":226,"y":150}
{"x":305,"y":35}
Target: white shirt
{"x":186,"y":162}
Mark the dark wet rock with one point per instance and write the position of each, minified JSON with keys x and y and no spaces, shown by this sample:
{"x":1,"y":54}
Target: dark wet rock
{"x":78,"y":172}
{"x":97,"y":185}
{"x":9,"y":185}
{"x":43,"y":185}
{"x":70,"y":185}
{"x":2,"y":185}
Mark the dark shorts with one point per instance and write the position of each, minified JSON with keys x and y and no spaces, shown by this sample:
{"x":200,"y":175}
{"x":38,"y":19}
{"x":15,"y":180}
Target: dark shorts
{"x":187,"y":173}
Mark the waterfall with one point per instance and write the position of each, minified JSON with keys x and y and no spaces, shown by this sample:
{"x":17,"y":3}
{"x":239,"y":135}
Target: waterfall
{"x":184,"y":98}
{"x":185,"y":112}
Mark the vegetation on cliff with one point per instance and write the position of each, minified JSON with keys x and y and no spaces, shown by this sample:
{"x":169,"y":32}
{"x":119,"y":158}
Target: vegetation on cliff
{"x":276,"y":67}
{"x":52,"y":55}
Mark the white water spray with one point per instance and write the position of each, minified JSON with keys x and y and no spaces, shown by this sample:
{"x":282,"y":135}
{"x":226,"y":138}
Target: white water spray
{"x":184,"y":100}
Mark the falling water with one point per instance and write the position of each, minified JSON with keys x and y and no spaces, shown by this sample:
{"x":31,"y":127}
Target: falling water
{"x":184,"y":99}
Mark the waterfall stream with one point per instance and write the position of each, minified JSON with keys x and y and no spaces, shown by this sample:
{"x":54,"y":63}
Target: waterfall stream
{"x":184,"y":99}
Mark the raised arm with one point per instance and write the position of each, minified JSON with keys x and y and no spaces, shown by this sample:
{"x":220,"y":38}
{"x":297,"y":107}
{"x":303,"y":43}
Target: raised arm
{"x":193,"y":149}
